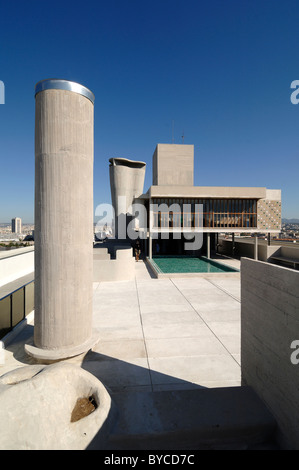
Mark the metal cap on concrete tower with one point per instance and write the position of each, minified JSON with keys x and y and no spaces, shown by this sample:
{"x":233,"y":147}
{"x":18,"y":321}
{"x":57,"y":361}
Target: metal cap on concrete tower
{"x":60,"y":84}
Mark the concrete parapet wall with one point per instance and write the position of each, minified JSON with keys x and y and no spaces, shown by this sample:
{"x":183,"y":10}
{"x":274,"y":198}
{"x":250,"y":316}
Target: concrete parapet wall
{"x":269,"y":325}
{"x":15,"y":264}
{"x":126,"y":253}
{"x":245,"y":248}
{"x":290,"y":252}
{"x":286,"y":256}
{"x":101,"y":253}
{"x":121,"y":268}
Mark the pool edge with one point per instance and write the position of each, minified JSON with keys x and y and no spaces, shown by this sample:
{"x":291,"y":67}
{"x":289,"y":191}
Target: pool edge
{"x":160,"y":275}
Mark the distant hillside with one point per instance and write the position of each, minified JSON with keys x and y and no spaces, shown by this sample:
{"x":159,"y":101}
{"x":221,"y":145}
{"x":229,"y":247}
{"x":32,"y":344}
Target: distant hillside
{"x":290,"y":221}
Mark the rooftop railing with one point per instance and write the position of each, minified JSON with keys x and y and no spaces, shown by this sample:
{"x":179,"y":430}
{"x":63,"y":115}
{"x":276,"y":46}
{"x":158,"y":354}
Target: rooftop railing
{"x":15,"y":306}
{"x":204,"y":219}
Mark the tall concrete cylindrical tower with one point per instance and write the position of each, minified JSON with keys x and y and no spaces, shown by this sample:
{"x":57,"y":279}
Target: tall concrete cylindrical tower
{"x":64,"y":127}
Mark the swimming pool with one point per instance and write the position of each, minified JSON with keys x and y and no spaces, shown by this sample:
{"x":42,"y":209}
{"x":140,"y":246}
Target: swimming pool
{"x":188,"y":264}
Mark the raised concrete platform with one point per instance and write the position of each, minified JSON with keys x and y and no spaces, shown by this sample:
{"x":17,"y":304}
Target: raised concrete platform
{"x":219,"y":418}
{"x":294,"y":262}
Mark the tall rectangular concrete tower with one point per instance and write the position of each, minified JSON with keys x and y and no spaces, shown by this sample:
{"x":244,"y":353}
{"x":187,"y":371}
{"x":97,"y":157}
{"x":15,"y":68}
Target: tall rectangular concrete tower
{"x":173,"y":165}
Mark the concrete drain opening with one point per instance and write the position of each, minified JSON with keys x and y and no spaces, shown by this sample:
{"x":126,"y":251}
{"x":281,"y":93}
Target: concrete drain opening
{"x":83,"y":407}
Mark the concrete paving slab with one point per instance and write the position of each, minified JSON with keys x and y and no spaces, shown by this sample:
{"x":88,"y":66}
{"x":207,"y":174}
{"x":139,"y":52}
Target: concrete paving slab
{"x":216,"y":296}
{"x":175,"y":308}
{"x":162,"y":317}
{"x":194,"y":386}
{"x":203,"y":287}
{"x":116,"y":333}
{"x":115,"y":300}
{"x":214,"y":305}
{"x":153,"y":333}
{"x":206,"y":289}
{"x":207,"y":343}
{"x":237,"y":358}
{"x":167,"y":296}
{"x":122,"y":285}
{"x":227,"y":284}
{"x":154,"y":285}
{"x":232,"y":313}
{"x":121,"y":321}
{"x":115,"y":309}
{"x":157,"y":303}
{"x":116,"y":374}
{"x":192,"y":419}
{"x":122,"y":349}
{"x":159,"y":330}
{"x":201,"y":370}
{"x":190,"y":283}
{"x":225,"y":328}
{"x":229,"y":333}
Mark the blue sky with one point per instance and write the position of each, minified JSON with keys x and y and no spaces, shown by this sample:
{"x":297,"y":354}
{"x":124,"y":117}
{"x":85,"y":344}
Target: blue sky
{"x":218,"y":71}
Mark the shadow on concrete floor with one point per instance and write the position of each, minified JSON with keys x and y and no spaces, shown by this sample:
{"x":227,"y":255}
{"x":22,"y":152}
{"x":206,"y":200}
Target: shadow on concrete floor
{"x":184,"y":416}
{"x":187,"y":417}
{"x":117,"y":375}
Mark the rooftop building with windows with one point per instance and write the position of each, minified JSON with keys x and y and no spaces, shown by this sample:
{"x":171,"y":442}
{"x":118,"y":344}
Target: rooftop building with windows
{"x":174,"y":205}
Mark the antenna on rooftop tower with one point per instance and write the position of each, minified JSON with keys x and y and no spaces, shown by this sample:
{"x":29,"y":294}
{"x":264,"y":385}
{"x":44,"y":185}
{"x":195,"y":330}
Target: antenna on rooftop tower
{"x":173,"y":132}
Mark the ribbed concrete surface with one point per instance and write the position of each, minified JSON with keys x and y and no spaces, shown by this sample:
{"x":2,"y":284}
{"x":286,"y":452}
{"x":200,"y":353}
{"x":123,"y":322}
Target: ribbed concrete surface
{"x":63,"y":219}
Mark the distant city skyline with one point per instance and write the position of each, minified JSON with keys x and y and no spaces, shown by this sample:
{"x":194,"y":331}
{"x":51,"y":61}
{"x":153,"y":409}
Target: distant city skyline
{"x":217,"y":75}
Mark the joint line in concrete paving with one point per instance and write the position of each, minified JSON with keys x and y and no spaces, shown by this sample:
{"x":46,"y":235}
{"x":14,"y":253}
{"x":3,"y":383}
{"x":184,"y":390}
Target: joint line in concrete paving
{"x":148,"y":365}
{"x":223,"y":290}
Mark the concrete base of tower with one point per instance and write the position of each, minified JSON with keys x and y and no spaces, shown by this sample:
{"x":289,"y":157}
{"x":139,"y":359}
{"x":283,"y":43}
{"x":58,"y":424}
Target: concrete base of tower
{"x":58,"y":354}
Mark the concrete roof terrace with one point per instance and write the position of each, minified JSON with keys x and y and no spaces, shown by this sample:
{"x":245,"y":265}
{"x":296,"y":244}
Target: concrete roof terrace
{"x":169,"y":355}
{"x":158,"y":334}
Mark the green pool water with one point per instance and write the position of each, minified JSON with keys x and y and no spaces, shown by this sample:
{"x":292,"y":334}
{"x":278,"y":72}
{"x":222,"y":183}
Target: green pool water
{"x":188,"y":264}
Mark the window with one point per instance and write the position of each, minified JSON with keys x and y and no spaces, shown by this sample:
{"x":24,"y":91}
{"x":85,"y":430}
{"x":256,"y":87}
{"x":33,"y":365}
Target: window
{"x":216,"y":213}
